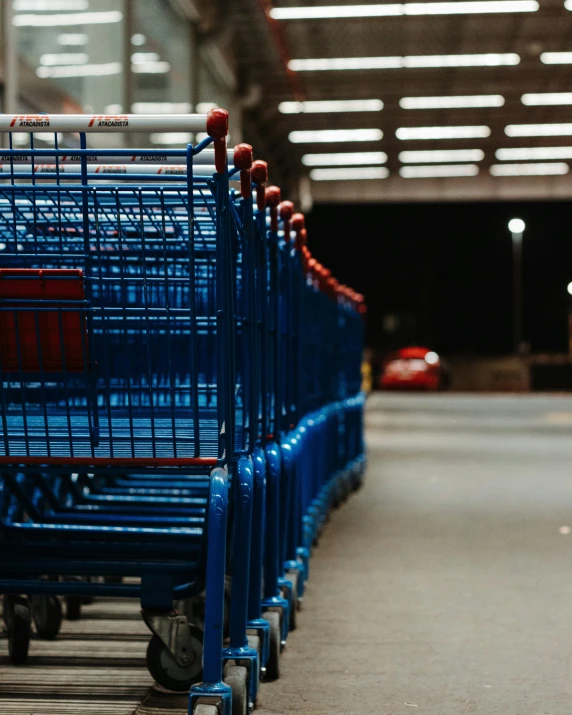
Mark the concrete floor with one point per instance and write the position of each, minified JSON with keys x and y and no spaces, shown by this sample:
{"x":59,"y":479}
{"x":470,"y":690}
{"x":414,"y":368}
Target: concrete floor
{"x":445,"y":586}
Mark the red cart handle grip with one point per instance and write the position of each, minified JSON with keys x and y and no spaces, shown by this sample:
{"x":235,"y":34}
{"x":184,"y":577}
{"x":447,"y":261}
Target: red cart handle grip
{"x":286,"y":209}
{"x":217,"y":128}
{"x":243,"y":161}
{"x":272,"y":195}
{"x":259,"y":174}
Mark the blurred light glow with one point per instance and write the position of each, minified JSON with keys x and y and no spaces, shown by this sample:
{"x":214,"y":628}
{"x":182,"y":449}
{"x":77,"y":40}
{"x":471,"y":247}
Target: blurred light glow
{"x":182,"y":138}
{"x":205,"y":107}
{"x":102,"y":70}
{"x":64,"y":58}
{"x":150,"y":67}
{"x":546,"y":98}
{"x":48,"y":5}
{"x":72,"y":39}
{"x":438,"y":171}
{"x":453,"y":102}
{"x":408,"y":62}
{"x":349,"y":174}
{"x":358,"y":158}
{"x":534,"y":153}
{"x":538,"y":130}
{"x":441,"y":156}
{"x":339,"y":105}
{"x":516,"y":225}
{"x":569,"y":288}
{"x":78,"y":18}
{"x":459,"y":132}
{"x":550,"y":169}
{"x":431,"y":358}
{"x":398,"y":9}
{"x":158,"y":108}
{"x":138,"y":57}
{"x":556,"y":58}
{"x":138,"y":39}
{"x":335,"y":135}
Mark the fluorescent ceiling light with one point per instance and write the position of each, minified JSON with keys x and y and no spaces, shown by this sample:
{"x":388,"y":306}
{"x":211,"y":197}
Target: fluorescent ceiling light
{"x":455,"y":102}
{"x":158,"y":108}
{"x":72,"y":38}
{"x":358,"y":158}
{"x":150,"y":67}
{"x":534,"y":153}
{"x":399,"y":9}
{"x":568,"y":4}
{"x":349,"y":174}
{"x":205,"y":107}
{"x":182,"y":138}
{"x":48,"y":5}
{"x":538,"y":130}
{"x":438,"y":171}
{"x":64,"y":58}
{"x":335,"y":135}
{"x":341,"y":105}
{"x":79,"y":18}
{"x":138,"y":57}
{"x":553,"y":169}
{"x":442,"y":132}
{"x":556,"y":58}
{"x":546,"y":98}
{"x":441,"y":156}
{"x":102,"y":70}
{"x":408,"y":62}
{"x":138,"y":39}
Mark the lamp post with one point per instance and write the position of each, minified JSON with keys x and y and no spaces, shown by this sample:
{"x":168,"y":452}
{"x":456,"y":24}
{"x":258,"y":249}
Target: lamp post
{"x":516,"y":227}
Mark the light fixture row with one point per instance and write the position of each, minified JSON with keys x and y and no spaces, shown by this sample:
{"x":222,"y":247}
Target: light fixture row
{"x":440,"y":171}
{"x":329,"y":136}
{"x":446,"y":156}
{"x":474,"y":101}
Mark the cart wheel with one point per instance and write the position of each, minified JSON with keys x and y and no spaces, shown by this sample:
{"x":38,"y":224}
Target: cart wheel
{"x":113,"y":579}
{"x":19,"y":628}
{"x":204,"y":709}
{"x":273,"y":664}
{"x":237,"y":677}
{"x":73,"y":608}
{"x":165,"y":669}
{"x":47,"y":616}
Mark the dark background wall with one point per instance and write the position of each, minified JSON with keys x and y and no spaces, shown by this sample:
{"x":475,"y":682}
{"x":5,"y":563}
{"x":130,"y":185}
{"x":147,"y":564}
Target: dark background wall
{"x":440,"y":274}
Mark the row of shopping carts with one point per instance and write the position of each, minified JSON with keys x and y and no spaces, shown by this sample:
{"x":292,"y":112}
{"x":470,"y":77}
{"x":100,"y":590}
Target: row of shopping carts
{"x":180,"y":400}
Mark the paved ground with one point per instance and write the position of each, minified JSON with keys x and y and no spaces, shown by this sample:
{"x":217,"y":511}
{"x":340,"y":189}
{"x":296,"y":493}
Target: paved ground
{"x":443,"y":588}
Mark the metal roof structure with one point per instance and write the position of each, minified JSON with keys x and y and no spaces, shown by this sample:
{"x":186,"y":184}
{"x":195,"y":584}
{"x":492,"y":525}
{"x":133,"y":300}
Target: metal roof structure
{"x":490,"y":55}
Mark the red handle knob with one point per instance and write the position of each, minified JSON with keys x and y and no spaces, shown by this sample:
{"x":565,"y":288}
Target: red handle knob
{"x":217,"y":128}
{"x":243,"y":161}
{"x":272,"y":200}
{"x":259,"y":174}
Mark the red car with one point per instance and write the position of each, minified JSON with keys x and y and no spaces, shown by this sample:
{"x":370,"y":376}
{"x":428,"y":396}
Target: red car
{"x":412,"y":369}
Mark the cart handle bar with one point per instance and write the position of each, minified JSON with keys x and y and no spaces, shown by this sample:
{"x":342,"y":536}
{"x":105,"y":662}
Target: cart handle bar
{"x":215,"y":124}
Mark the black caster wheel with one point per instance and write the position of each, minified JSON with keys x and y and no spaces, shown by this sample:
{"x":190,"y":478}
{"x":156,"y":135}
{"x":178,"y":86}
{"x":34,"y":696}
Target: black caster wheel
{"x":255,"y":643}
{"x":292,"y":576}
{"x":273,"y":664}
{"x":47,"y":616}
{"x":73,"y":607}
{"x":165,"y":669}
{"x":18,"y":622}
{"x":237,"y":677}
{"x":113,"y":579}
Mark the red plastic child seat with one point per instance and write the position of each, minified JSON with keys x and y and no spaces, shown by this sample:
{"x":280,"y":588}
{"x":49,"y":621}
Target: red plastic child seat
{"x":45,"y":340}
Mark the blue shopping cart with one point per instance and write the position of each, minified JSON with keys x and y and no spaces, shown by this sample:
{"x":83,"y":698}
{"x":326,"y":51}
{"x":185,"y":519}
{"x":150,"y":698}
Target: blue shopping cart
{"x":123,"y":396}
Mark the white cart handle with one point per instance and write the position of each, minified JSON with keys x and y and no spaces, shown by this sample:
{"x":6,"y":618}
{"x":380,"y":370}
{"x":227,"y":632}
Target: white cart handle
{"x":215,"y":124}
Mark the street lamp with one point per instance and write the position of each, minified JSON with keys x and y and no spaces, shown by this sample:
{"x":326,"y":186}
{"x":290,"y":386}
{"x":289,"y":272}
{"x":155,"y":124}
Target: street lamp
{"x":516,"y":226}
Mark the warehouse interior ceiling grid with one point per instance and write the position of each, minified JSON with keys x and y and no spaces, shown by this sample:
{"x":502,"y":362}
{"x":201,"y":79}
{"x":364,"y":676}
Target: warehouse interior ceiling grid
{"x":520,"y":38}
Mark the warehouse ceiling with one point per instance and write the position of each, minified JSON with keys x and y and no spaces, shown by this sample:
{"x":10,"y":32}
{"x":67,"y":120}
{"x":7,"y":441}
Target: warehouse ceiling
{"x":418,"y":64}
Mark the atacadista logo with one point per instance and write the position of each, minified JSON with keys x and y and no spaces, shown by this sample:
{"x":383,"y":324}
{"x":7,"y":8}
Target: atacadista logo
{"x":30,"y":120}
{"x":109,"y":120}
